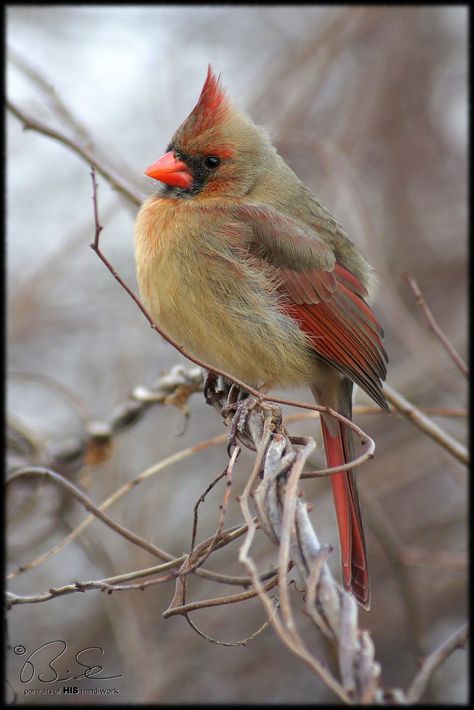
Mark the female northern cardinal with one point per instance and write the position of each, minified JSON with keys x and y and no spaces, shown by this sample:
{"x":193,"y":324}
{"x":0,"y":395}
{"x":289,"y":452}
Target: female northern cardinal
{"x":238,"y":262}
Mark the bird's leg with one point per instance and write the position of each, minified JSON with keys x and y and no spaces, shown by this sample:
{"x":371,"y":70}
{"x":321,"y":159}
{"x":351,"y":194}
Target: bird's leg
{"x":210,"y":381}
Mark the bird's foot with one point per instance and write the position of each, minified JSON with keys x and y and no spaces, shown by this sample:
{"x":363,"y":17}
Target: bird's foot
{"x":241,"y":403}
{"x":215,"y":387}
{"x":235,"y":395}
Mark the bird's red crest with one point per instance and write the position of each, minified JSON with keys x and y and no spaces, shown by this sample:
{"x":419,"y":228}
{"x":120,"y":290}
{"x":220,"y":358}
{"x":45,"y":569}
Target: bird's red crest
{"x":211,"y":104}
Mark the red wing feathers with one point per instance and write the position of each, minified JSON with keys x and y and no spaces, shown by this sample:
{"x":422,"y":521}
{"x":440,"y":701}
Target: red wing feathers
{"x":307,"y":286}
{"x":342,"y":328}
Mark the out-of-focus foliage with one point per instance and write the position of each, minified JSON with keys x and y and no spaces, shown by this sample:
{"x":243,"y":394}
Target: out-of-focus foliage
{"x":368,"y":105}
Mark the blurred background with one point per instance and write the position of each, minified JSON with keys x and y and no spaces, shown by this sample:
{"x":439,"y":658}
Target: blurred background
{"x":369,"y":106}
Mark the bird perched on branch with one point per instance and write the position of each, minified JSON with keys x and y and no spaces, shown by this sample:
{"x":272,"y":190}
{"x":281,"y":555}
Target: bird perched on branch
{"x":238,"y":262}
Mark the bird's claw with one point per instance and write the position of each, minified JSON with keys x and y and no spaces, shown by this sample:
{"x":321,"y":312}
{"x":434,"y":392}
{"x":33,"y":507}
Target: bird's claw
{"x":242,"y":406}
{"x":215,"y":387}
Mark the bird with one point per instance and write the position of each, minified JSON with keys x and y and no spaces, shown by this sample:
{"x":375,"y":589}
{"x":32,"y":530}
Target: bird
{"x":238,"y":262}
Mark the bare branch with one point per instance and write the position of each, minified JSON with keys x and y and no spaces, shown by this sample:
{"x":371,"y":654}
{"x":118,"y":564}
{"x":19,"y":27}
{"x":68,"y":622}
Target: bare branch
{"x":422,"y":422}
{"x":434,"y":327}
{"x":58,"y":105}
{"x":218,"y":642}
{"x":218,"y":601}
{"x":42,"y":472}
{"x":431,"y":664}
{"x":109,"y":585}
{"x":82,"y":151}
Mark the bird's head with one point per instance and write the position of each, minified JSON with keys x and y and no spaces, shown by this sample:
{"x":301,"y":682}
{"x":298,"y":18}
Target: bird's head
{"x":216,"y":151}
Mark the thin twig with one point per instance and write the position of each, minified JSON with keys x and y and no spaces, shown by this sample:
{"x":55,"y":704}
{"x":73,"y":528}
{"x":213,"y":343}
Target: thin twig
{"x":42,"y":472}
{"x":106,"y":584}
{"x":200,"y":554}
{"x":200,"y":500}
{"x":223,"y":507}
{"x":82,"y":151}
{"x":420,"y":420}
{"x":219,"y":642}
{"x":57,"y":103}
{"x":369,"y":409}
{"x":432,"y":662}
{"x":219,"y":601}
{"x":434,"y":327}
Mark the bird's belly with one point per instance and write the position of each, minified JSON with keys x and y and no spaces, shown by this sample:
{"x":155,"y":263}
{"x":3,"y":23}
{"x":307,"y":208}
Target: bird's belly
{"x":224,"y":318}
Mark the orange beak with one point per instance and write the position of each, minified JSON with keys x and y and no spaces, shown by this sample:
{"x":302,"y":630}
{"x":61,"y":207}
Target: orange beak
{"x":170,"y":171}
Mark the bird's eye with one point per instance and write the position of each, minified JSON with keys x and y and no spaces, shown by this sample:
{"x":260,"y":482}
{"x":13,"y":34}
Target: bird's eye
{"x":212,"y":162}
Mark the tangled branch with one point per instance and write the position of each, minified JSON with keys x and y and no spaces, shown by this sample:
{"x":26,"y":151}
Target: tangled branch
{"x":282,"y":514}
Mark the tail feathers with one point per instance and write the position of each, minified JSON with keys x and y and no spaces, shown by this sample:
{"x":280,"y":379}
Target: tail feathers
{"x":339,"y":450}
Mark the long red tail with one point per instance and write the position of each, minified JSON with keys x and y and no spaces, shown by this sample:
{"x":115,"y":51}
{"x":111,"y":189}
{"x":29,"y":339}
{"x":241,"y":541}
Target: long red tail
{"x":339,"y":450}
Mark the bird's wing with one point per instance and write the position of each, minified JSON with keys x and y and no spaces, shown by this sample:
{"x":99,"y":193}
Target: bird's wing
{"x":326,"y":299}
